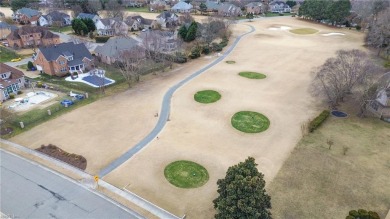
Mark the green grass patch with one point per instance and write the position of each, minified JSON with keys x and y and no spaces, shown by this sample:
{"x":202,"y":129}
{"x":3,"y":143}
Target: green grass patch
{"x":250,"y":122}
{"x":207,"y":96}
{"x":231,"y":62}
{"x":186,"y":174}
{"x":304,"y":31}
{"x":61,"y":29}
{"x":24,"y":66}
{"x":141,"y":9}
{"x":6,"y":54}
{"x":252,"y":75}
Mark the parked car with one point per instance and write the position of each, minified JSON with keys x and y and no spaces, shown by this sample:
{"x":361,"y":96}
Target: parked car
{"x":79,"y":96}
{"x":16,"y":60}
{"x":67,"y":102}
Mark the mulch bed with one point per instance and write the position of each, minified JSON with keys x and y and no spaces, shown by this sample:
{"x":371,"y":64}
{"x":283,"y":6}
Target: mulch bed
{"x":56,"y":152}
{"x":6,"y":130}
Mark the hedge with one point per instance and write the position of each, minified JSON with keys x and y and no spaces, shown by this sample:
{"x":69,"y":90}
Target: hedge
{"x":362,"y":214}
{"x":101,"y":39}
{"x":318,"y":120}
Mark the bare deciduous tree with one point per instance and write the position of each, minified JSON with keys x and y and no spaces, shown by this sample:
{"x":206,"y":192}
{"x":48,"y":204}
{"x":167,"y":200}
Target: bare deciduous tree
{"x":379,"y":33}
{"x":340,"y":75}
{"x":114,"y":10}
{"x":130,"y":62}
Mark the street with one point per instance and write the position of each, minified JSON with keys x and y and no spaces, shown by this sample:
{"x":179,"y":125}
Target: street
{"x":29,"y":190}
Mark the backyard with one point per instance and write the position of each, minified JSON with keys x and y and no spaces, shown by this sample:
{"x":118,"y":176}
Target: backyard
{"x":7,"y":55}
{"x":318,"y":182}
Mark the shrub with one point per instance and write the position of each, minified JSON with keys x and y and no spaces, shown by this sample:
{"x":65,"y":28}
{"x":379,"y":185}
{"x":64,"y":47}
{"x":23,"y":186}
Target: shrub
{"x":101,"y":39}
{"x":195,"y":52}
{"x":358,"y":27}
{"x":373,"y":215}
{"x":11,"y":96}
{"x":39,"y":84}
{"x":349,"y":217}
{"x":318,"y":120}
{"x":180,"y":59}
{"x":387,"y":64}
{"x":280,"y":14}
{"x":206,"y":50}
{"x":30,"y":65}
{"x":20,"y":92}
{"x":353,"y":213}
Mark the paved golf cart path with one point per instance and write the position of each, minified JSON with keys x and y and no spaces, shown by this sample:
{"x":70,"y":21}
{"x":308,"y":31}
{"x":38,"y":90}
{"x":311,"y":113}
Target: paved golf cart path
{"x":165,"y":110}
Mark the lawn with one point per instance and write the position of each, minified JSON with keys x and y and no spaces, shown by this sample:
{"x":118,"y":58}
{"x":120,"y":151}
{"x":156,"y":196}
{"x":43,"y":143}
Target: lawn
{"x":318,"y":182}
{"x":207,"y":96}
{"x":252,"y":75}
{"x":6,"y":55}
{"x":230,"y":62}
{"x":61,"y":29}
{"x":250,"y":122}
{"x":304,"y":31}
{"x":270,"y":14}
{"x":186,"y":174}
{"x":141,"y":9}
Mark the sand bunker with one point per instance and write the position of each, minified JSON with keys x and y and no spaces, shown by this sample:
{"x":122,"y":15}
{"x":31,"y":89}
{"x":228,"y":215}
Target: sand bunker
{"x":279,"y":28}
{"x":333,"y":34}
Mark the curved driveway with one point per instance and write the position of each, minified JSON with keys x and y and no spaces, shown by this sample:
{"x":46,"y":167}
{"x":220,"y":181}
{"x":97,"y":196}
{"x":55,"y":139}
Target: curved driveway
{"x":165,"y":111}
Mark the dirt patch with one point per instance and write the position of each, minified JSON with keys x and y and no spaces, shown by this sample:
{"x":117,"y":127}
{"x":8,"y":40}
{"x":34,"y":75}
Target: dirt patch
{"x":56,"y":152}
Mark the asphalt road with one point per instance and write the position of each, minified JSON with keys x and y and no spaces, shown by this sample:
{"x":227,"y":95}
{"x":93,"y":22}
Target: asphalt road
{"x":165,"y":111}
{"x":28,"y":190}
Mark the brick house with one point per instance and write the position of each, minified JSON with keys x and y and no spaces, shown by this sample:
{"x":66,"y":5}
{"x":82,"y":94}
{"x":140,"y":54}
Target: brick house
{"x":32,"y":36}
{"x":11,"y":81}
{"x":27,"y":16}
{"x":63,"y":58}
{"x":254,"y":8}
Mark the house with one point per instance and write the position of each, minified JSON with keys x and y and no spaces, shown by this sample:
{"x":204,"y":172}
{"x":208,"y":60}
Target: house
{"x":93,"y":17}
{"x":60,"y":59}
{"x":229,"y":10}
{"x":212,"y":6}
{"x":55,"y":18}
{"x":32,"y":36}
{"x":160,"y":41}
{"x":167,"y":19}
{"x":27,"y":16}
{"x":182,"y":7}
{"x":381,"y":105}
{"x":6,"y":29}
{"x":112,"y":49}
{"x":157,"y":5}
{"x":137,"y":22}
{"x":111,"y":27}
{"x":254,"y":8}
{"x":11,"y":81}
{"x":279,"y":7}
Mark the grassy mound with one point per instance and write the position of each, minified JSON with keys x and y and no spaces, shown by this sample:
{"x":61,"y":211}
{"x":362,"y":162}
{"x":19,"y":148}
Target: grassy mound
{"x":231,"y":62}
{"x":250,"y":122}
{"x":252,"y":75}
{"x":207,"y":96}
{"x":304,"y":31}
{"x":186,"y":174}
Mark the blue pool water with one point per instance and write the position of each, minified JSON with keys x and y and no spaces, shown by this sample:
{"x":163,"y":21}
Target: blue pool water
{"x":339,"y":113}
{"x":97,"y":81}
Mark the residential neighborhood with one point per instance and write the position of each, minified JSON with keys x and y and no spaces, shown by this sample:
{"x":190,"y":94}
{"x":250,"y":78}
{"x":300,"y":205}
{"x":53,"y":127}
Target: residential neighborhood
{"x":195,"y":109}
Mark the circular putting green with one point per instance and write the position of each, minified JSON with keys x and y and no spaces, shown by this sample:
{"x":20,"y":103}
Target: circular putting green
{"x":186,"y":174}
{"x":231,"y":62}
{"x":304,"y":31}
{"x":252,"y":75}
{"x":250,"y":122}
{"x":207,"y":96}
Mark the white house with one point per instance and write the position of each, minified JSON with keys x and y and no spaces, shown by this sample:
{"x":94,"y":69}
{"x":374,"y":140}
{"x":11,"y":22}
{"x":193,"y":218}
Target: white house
{"x":111,"y":27}
{"x":11,"y":81}
{"x":279,"y":7}
{"x":55,"y":18}
{"x":182,"y":7}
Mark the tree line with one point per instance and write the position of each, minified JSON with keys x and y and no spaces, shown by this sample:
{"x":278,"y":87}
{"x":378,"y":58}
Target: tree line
{"x":335,"y":11}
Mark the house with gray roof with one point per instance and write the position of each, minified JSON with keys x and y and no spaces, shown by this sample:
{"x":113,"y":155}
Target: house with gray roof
{"x":6,"y":29}
{"x":111,"y":27}
{"x":212,"y":6}
{"x":168,"y":19}
{"x":93,"y":17}
{"x":111,"y":51}
{"x":182,"y":7}
{"x":137,"y":22}
{"x":63,"y":58}
{"x":27,"y":16}
{"x":229,"y":10}
{"x":55,"y":18}
{"x":254,"y":8}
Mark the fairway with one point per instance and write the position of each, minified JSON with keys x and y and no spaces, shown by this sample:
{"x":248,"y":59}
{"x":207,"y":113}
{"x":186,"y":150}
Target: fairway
{"x":252,"y":75}
{"x":304,"y":31}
